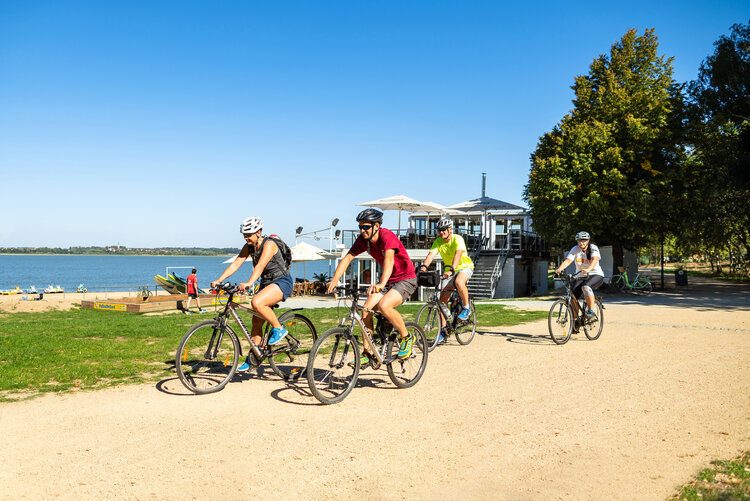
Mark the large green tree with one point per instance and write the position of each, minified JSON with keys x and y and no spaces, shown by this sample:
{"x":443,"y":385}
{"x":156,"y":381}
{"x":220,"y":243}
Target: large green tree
{"x":612,"y":165}
{"x":720,"y":135}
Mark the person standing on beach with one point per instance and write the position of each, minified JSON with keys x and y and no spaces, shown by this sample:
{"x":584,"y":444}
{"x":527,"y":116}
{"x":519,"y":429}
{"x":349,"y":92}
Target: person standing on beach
{"x":192,"y":291}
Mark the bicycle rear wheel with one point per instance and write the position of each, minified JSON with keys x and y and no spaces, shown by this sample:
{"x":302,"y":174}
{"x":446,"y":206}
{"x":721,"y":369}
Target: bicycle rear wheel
{"x":288,"y":358}
{"x":644,"y":286}
{"x":329,"y":373}
{"x":560,"y":322}
{"x":466,"y":329}
{"x":207,"y":357}
{"x":405,"y":373}
{"x":594,"y":329}
{"x":431,"y":323}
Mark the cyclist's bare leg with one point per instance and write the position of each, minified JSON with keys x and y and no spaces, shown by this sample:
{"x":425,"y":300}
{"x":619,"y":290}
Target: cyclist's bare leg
{"x":388,"y":305}
{"x":264,"y":300}
{"x":371,"y":303}
{"x":256,"y":330}
{"x":463,"y":291}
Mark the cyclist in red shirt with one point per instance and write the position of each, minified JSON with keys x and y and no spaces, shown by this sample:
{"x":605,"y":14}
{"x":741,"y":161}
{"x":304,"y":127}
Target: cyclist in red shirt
{"x":398,"y":281}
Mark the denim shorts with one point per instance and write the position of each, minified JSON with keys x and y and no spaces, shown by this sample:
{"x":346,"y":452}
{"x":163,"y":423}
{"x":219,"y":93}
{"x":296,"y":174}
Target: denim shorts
{"x":284,"y":283}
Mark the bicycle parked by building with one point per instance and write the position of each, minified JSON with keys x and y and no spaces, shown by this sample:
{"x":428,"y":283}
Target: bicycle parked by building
{"x":562,"y":322}
{"x":334,"y":363}
{"x":639,"y":283}
{"x":431,"y":321}
{"x":210,"y":351}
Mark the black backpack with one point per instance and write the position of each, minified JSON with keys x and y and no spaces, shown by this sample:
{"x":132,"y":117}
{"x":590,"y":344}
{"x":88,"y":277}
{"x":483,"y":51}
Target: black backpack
{"x":286,"y":252}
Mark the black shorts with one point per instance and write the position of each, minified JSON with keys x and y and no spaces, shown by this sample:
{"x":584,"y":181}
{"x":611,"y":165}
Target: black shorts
{"x":193,"y":295}
{"x":593,"y":281}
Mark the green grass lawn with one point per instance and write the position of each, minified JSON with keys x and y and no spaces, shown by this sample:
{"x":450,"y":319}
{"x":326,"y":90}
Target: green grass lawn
{"x":83,"y":348}
{"x":723,"y":481}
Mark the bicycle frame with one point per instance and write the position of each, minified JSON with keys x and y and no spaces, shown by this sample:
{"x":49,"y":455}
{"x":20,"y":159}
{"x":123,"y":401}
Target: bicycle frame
{"x":635,"y":284}
{"x":450,"y":321}
{"x":231,"y":309}
{"x":354,"y":316}
{"x":569,"y":297}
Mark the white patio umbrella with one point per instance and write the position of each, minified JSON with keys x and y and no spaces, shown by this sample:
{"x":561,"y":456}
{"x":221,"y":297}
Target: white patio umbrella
{"x":399,"y":203}
{"x":303,"y":252}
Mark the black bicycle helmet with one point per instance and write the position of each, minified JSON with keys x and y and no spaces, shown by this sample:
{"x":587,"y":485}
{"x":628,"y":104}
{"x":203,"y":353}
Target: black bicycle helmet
{"x":371,"y":215}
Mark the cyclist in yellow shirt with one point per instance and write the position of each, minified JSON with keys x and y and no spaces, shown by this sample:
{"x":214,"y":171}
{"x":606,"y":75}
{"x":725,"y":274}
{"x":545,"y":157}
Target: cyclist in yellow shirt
{"x":458,"y":264}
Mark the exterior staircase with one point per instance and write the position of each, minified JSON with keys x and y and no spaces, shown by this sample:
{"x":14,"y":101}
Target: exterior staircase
{"x":488,"y":267}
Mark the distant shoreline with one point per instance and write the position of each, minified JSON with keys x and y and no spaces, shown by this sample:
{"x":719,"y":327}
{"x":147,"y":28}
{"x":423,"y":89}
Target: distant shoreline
{"x":114,"y":254}
{"x":97,"y":251}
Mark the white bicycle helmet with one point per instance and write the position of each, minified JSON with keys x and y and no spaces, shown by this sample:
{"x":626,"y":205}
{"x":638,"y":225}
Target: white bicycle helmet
{"x":250,"y":225}
{"x":583,"y":235}
{"x":445,"y":223}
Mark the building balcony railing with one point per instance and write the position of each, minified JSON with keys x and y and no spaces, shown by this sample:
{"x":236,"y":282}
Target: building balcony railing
{"x":515,"y":240}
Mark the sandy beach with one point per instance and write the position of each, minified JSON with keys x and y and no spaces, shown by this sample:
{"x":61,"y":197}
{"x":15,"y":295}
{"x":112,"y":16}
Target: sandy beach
{"x":511,"y":416}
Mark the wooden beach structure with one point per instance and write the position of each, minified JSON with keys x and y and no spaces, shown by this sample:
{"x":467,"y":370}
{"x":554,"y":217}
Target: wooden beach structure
{"x":154,"y":303}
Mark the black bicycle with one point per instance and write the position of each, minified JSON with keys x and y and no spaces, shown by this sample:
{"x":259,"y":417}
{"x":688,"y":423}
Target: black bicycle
{"x":334,"y":363}
{"x":210,"y":351}
{"x":562,"y":322}
{"x":432,"y":322}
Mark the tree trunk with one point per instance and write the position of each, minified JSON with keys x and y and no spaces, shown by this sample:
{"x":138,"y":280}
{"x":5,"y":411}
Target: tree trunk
{"x":617,"y":256}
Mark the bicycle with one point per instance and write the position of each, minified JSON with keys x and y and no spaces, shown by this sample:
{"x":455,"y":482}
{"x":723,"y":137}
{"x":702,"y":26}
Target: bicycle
{"x":430,"y":320}
{"x":210,"y":351}
{"x":333,"y":366}
{"x":621,"y":282}
{"x":561,"y":321}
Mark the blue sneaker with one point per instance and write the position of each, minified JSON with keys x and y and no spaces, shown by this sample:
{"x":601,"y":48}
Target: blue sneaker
{"x":277,"y":335}
{"x":464,"y":315}
{"x":441,"y":337}
{"x":245,"y":366}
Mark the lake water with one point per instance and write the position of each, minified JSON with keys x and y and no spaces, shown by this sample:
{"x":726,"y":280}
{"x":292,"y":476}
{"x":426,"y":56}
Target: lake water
{"x":121,"y":272}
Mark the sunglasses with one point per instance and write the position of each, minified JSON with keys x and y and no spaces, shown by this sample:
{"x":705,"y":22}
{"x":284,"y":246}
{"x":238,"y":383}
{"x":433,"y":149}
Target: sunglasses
{"x":365,"y":227}
{"x":582,"y":240}
{"x":443,"y":230}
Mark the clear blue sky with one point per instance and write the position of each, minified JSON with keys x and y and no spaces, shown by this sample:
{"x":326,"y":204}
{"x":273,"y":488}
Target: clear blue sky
{"x":151,"y":123}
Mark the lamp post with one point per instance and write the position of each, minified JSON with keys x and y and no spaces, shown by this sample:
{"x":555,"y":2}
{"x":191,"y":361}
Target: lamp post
{"x":330,"y":236}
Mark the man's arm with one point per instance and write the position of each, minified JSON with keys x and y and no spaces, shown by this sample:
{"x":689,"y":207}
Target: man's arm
{"x":340,"y":269}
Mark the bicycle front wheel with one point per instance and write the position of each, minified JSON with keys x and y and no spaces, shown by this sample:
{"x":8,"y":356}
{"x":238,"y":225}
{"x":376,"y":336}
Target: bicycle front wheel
{"x":593,"y":326}
{"x":560,"y":322}
{"x":288,"y":358}
{"x":406,"y":372}
{"x":207,"y":357}
{"x":431,"y":323}
{"x":466,"y":329}
{"x":330,"y":374}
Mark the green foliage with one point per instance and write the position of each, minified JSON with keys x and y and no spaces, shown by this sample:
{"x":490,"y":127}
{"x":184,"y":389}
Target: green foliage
{"x":719,"y":223}
{"x":604,"y":165}
{"x":725,"y":480}
{"x":321,"y":277}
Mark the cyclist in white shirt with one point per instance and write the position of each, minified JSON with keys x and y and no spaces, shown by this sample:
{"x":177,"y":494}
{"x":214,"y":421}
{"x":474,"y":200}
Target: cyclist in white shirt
{"x":586,"y":257}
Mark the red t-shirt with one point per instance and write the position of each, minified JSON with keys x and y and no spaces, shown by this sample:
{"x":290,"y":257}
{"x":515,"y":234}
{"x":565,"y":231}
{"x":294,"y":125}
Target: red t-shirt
{"x":403,"y":268}
{"x":192,"y":281}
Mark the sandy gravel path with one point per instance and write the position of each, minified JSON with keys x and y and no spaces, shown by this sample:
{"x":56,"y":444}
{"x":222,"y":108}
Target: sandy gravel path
{"x":665,"y":390}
